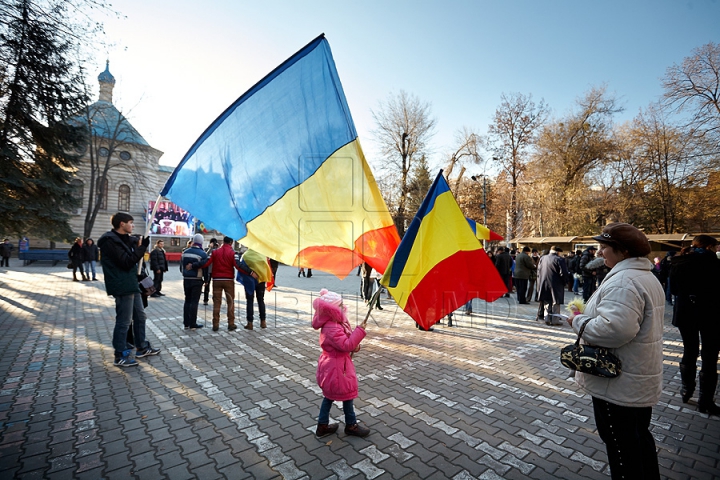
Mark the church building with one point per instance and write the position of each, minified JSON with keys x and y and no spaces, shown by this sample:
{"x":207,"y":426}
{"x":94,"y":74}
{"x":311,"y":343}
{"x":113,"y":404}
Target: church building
{"x":119,"y":170}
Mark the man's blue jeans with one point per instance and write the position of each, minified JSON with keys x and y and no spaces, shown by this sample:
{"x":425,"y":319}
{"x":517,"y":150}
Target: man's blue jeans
{"x":348,"y":409}
{"x":88,"y":267}
{"x":576,"y":285}
{"x":129,"y":308}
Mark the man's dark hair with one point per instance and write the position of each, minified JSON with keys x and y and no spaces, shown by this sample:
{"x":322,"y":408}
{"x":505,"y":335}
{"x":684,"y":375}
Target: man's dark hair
{"x":526,"y":249}
{"x":228,"y":240}
{"x":119,"y":218}
{"x":213,"y":240}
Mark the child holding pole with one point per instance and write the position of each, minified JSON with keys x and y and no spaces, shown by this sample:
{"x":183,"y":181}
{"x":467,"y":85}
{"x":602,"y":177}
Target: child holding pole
{"x":336,"y":372}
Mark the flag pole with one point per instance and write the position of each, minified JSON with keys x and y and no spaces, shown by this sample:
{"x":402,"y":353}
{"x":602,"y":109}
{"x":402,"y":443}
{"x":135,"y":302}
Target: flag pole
{"x":148,"y":225}
{"x":373,"y":301}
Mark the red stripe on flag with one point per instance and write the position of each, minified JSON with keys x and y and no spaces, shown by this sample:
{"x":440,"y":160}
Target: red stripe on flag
{"x":471,"y":274}
{"x":378,"y":246}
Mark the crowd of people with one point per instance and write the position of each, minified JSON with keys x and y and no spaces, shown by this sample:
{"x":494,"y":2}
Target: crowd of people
{"x":83,"y":257}
{"x":624,"y":293}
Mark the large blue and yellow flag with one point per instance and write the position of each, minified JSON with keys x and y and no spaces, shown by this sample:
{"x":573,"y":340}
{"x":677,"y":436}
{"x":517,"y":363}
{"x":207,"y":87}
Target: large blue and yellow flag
{"x":282,"y":171}
{"x":440,"y":265}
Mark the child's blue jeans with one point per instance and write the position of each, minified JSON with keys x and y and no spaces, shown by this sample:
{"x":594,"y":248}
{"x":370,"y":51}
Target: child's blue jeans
{"x":348,"y":409}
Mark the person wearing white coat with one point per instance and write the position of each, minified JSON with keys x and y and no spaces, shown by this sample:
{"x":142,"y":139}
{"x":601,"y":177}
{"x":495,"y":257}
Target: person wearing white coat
{"x":626,"y":314}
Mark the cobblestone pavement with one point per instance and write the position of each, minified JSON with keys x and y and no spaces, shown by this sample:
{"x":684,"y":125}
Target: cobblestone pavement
{"x":486,"y":400}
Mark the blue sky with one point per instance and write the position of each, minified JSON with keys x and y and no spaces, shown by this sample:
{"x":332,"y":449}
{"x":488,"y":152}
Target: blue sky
{"x":179,"y":64}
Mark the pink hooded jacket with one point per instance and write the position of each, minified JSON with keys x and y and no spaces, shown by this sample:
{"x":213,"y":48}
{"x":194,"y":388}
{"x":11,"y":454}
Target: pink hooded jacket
{"x":336,"y":372}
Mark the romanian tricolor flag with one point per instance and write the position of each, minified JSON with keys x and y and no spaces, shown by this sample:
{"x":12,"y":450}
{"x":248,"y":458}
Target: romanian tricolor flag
{"x":282,"y":172}
{"x":440,"y":265}
{"x":482,"y":232}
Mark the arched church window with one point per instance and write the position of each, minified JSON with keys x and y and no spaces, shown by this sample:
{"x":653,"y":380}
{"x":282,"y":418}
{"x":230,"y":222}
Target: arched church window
{"x":124,"y":198}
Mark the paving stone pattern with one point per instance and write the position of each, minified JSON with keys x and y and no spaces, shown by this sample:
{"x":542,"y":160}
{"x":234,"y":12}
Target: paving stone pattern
{"x":487,"y":399}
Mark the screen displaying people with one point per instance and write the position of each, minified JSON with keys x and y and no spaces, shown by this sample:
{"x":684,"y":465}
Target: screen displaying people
{"x":170,"y":219}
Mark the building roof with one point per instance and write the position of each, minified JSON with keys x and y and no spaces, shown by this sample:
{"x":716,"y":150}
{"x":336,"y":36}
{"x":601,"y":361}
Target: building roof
{"x":543,"y":240}
{"x":108,"y":122}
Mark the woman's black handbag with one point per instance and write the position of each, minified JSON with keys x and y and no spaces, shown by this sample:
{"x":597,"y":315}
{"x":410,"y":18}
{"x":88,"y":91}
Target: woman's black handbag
{"x":596,"y":361}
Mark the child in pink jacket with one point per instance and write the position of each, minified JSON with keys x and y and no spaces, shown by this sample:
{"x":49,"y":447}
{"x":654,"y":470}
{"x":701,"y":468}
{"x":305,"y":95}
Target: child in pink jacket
{"x":336,"y":372}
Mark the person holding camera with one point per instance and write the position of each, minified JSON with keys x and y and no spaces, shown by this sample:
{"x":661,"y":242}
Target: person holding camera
{"x":120,"y":254}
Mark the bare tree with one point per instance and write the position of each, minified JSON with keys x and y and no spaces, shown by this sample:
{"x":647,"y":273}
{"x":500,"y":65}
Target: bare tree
{"x":467,"y":150}
{"x":512,"y":134}
{"x":694,"y":87}
{"x":404,"y":127}
{"x":109,"y":142}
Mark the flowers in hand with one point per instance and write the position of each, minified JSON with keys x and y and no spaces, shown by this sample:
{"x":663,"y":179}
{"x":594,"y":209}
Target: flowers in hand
{"x":576,"y":306}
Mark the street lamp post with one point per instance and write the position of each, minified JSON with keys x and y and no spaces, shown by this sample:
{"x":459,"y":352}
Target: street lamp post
{"x":483,"y":205}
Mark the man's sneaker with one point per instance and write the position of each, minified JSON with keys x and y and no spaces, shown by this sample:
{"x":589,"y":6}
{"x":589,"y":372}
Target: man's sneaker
{"x":232,"y":327}
{"x":263,"y":324}
{"x":125,"y":359}
{"x":215,"y":329}
{"x":187,"y":328}
{"x":146,"y":352}
{"x":196,"y":326}
{"x":248,"y":326}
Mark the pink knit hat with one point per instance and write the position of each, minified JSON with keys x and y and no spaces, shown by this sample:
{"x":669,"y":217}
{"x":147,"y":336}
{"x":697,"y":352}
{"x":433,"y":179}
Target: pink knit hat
{"x":330,"y":297}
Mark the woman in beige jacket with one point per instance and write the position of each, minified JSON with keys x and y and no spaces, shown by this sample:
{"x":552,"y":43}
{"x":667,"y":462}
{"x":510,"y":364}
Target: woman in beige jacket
{"x":625,"y":314}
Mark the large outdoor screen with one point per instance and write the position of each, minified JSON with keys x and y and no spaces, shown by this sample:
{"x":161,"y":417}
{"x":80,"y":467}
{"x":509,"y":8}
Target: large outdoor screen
{"x":171,"y":220}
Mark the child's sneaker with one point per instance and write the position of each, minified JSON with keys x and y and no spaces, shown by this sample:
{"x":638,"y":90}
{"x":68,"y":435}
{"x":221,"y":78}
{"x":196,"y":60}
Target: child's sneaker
{"x":146,"y":352}
{"x":357,"y":430}
{"x":125,"y":359}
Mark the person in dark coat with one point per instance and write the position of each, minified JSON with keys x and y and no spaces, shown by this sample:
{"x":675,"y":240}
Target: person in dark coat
{"x":120,"y":254}
{"x":665,"y":266}
{"x":366,"y":281}
{"x":524,"y":266}
{"x":572,"y":264}
{"x":5,"y":251}
{"x":552,"y":278}
{"x":695,"y":282}
{"x":91,"y":255}
{"x":589,"y":276}
{"x":76,"y":259}
{"x":532,"y":281}
{"x":503,"y":264}
{"x":193,"y":279}
{"x":207,"y":272}
{"x":159,"y":265}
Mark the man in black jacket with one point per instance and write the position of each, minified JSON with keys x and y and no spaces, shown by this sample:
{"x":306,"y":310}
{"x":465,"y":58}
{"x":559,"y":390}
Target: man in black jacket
{"x":159,"y":265}
{"x":120,"y":254}
{"x":503,"y":264}
{"x":588,"y":275}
